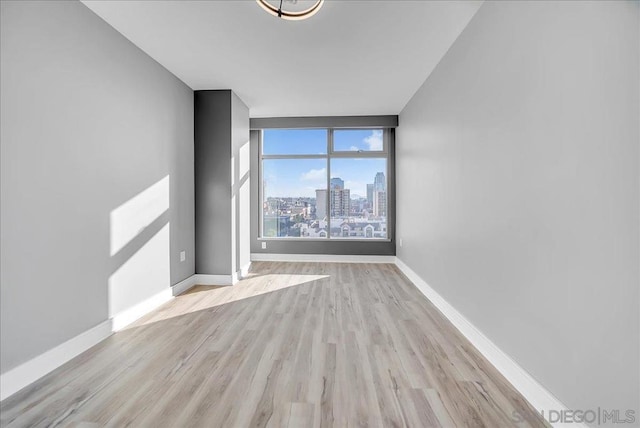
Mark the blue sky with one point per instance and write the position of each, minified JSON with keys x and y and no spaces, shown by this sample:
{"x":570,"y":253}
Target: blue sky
{"x":301,"y":177}
{"x":294,"y":142}
{"x":314,"y":141}
{"x":357,"y":139}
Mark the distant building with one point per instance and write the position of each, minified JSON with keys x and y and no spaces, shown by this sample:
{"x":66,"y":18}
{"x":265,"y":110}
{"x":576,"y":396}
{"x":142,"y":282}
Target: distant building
{"x":340,"y":202}
{"x":380,"y":183}
{"x":277,"y":226}
{"x":370,"y":194}
{"x":358,"y":205}
{"x":337,"y":183}
{"x":321,"y":203}
{"x":379,"y":204}
{"x":360,"y":229}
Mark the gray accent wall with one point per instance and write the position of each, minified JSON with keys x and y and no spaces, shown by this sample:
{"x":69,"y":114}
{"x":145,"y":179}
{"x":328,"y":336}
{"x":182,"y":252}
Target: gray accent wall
{"x":518,"y":191}
{"x":212,"y":136}
{"x":96,"y":136}
{"x":221,"y":155}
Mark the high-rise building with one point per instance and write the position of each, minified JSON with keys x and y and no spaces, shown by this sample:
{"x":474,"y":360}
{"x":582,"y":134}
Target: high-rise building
{"x":321,"y":203}
{"x":337,"y":183}
{"x":340,"y":198}
{"x":379,"y":203}
{"x":370,"y":194}
{"x":380,"y":183}
{"x":340,"y":202}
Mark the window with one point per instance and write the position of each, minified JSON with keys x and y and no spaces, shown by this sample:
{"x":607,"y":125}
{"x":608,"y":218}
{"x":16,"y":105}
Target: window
{"x":324,"y":184}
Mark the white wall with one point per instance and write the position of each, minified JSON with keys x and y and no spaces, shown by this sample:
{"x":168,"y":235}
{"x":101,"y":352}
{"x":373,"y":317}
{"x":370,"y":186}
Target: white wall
{"x":240,"y":183}
{"x":97,"y":192}
{"x":518,"y":190}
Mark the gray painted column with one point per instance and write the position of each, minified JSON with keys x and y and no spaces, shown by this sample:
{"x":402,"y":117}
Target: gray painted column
{"x":221,"y":182}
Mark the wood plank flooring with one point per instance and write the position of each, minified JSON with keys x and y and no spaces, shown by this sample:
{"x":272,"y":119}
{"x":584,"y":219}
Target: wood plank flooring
{"x":293,"y":345}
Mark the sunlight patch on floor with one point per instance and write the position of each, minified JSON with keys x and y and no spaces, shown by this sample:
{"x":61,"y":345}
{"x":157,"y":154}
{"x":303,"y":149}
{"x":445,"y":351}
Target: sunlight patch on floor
{"x":203,"y":297}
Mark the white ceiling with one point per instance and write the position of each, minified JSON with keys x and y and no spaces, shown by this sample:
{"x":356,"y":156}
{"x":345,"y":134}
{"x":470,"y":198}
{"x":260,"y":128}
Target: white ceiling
{"x":351,"y":58}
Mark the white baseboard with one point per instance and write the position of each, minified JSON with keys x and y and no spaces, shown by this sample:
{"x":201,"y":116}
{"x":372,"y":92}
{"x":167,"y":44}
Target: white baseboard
{"x":539,"y":397}
{"x":324,"y":258}
{"x":126,"y":317}
{"x":183,"y":285}
{"x":26,"y":373}
{"x":205,"y":279}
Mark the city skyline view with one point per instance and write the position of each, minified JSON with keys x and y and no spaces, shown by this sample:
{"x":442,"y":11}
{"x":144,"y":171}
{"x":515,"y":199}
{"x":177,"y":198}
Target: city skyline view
{"x":332,"y":212}
{"x":311,"y":190}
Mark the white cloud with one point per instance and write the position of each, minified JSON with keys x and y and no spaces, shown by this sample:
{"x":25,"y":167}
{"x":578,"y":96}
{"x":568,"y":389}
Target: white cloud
{"x":314,"y":174}
{"x":374,"y":141}
{"x":353,"y":148}
{"x":356,"y":187}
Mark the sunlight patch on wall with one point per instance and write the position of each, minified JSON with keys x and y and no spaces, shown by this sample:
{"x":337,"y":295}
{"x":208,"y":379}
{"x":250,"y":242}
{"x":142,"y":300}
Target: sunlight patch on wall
{"x":245,"y":160}
{"x":130,"y":218}
{"x":144,"y":274}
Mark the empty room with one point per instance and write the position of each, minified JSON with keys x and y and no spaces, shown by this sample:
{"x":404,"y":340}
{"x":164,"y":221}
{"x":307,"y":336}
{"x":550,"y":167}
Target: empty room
{"x":319,"y":213}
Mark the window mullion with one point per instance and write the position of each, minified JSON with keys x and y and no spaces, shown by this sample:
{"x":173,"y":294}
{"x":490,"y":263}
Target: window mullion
{"x":263,"y":157}
{"x":328,"y":192}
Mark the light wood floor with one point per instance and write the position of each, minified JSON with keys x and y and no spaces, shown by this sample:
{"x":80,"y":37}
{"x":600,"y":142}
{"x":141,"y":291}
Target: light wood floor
{"x":295,"y":344}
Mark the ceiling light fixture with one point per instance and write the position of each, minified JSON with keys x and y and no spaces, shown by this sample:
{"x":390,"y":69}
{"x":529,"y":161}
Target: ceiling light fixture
{"x":293,"y":11}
